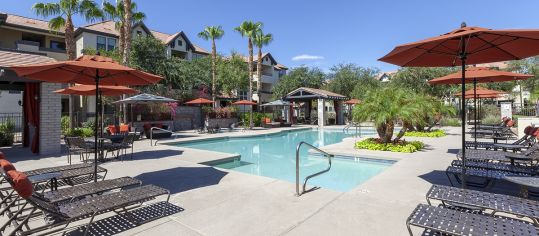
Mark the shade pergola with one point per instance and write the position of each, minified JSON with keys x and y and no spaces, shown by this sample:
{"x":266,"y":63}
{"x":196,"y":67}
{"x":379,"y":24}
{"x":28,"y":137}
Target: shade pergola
{"x":90,"y":70}
{"x":464,"y":46}
{"x":104,"y":90}
{"x":144,"y":98}
{"x":276,"y":103}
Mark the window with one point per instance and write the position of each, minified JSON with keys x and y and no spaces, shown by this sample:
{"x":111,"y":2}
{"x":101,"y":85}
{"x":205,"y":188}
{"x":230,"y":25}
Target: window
{"x":180,"y":42}
{"x":172,"y":44}
{"x":57,"y":45}
{"x":111,"y":44}
{"x":242,"y":95}
{"x":139,"y":32}
{"x":34,"y":38}
{"x":101,"y":43}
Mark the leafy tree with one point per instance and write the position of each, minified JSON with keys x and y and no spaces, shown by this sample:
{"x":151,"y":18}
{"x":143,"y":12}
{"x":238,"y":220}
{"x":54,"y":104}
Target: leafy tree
{"x":260,"y":41}
{"x":386,"y":106}
{"x":114,"y":54}
{"x":212,"y":33}
{"x":148,"y":54}
{"x":232,"y":74}
{"x":343,"y":78}
{"x":298,"y":77}
{"x":361,"y":89}
{"x":249,"y":29}
{"x":116,"y":13}
{"x":416,"y":78}
{"x":527,"y":66}
{"x":64,"y":11}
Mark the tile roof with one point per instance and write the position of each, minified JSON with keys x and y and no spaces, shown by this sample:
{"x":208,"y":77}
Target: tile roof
{"x":200,"y":50}
{"x":108,"y":27}
{"x":10,"y":58}
{"x":27,"y":22}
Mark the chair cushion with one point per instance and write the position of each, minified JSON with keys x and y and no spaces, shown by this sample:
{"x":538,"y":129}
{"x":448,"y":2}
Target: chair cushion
{"x":6,"y":165}
{"x":527,"y":130}
{"x":21,"y":183}
{"x":147,"y":126}
{"x":112,"y":129}
{"x":124,"y":128}
{"x":510,"y":123}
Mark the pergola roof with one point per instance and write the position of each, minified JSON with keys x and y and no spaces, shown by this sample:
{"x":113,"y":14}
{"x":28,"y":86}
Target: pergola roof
{"x":145,"y":98}
{"x":304,"y":93}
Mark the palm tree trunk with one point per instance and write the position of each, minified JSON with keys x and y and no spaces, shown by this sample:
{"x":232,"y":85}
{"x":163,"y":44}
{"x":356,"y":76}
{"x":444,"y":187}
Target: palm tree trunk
{"x":259,"y":74}
{"x":121,"y":42}
{"x":250,"y":92}
{"x":128,"y":24}
{"x":389,"y":132}
{"x":71,"y":54}
{"x":213,"y":71}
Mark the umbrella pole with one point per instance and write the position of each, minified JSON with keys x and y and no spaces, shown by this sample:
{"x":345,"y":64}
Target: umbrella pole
{"x":96,"y":121}
{"x":475,"y":111}
{"x":463,"y":107}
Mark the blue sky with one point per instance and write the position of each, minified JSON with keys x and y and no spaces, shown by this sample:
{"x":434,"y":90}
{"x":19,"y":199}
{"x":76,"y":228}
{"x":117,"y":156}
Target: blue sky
{"x":324,"y":33}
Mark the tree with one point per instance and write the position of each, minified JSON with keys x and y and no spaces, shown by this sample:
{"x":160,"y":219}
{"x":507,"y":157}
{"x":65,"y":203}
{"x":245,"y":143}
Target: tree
{"x":416,"y":78}
{"x":298,"y":77}
{"x":232,"y":74}
{"x":212,"y":33}
{"x":249,"y":29}
{"x":386,"y":106}
{"x":63,"y":12}
{"x":527,"y":66}
{"x":361,"y":89}
{"x":343,"y":78}
{"x":128,"y":30}
{"x":260,"y":40}
{"x":147,"y":54}
{"x":116,"y":13}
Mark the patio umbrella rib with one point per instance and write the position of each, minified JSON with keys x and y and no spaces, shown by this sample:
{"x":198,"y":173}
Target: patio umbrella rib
{"x":425,"y":51}
{"x":497,"y":46}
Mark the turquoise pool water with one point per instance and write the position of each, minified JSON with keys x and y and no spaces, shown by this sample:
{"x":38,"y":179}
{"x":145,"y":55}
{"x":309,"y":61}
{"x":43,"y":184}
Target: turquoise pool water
{"x":274,"y":156}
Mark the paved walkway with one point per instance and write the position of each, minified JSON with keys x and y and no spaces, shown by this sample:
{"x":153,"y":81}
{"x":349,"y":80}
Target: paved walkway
{"x":211,"y":201}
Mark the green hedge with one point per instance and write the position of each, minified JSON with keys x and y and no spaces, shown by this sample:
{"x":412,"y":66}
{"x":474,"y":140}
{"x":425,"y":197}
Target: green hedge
{"x":80,"y":132}
{"x":436,"y":133}
{"x":373,"y":144}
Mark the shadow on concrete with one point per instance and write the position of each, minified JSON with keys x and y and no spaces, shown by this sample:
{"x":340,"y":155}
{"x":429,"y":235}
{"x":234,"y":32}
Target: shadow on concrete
{"x":122,"y":222}
{"x":453,"y":150}
{"x":436,"y":177}
{"x":182,"y":179}
{"x":154,"y":154}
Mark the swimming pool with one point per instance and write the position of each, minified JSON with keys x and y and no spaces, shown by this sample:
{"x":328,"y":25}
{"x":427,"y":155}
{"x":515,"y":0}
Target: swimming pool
{"x":274,"y":156}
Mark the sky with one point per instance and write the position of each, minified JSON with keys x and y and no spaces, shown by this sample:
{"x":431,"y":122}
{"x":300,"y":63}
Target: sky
{"x":324,"y":33}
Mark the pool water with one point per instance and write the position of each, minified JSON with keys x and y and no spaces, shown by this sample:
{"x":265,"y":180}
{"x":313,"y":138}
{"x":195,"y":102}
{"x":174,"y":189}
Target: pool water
{"x":274,"y":156}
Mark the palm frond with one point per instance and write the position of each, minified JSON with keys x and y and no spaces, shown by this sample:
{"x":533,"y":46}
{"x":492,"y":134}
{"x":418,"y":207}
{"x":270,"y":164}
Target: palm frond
{"x":57,"y":23}
{"x":89,"y":10}
{"x":47,"y":9}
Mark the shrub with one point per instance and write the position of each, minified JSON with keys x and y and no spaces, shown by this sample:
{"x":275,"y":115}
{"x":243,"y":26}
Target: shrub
{"x":80,"y":132}
{"x":436,"y":133}
{"x":403,"y":146}
{"x":7,"y":136}
{"x":257,"y":118}
{"x":491,"y":120}
{"x":64,"y":122}
{"x":455,"y":122}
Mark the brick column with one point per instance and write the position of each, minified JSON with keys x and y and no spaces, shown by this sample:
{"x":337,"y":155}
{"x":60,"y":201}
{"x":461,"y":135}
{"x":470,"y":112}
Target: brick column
{"x":321,"y":113}
{"x":50,"y":114}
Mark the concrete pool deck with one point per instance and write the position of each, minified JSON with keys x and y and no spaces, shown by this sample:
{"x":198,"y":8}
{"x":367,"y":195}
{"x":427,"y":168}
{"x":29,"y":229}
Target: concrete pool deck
{"x":216,"y":201}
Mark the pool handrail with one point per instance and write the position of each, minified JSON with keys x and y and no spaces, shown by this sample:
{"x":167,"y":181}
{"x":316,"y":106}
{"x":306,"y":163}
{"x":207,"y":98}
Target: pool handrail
{"x":157,"y":128}
{"x":329,"y":156}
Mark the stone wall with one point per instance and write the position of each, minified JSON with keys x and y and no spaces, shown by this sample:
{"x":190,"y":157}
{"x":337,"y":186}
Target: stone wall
{"x":49,"y":127}
{"x":222,"y":123}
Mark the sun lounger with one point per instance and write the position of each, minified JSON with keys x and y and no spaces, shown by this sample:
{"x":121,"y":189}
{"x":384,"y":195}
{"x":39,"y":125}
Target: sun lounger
{"x":527,"y":140}
{"x":530,"y":170}
{"x":63,"y":215}
{"x":487,"y":175}
{"x":495,"y":203}
{"x":442,"y":221}
{"x":531,"y":154}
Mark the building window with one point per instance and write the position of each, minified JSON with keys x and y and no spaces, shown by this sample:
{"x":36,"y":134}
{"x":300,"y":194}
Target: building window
{"x":111,"y":44}
{"x":172,"y":44}
{"x":139,"y":32}
{"x":180,"y":42}
{"x":57,"y":45}
{"x":242,"y":95}
{"x":101,"y":43}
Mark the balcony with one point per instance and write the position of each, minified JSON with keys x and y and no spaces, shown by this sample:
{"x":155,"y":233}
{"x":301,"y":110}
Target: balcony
{"x":31,"y":46}
{"x":267,"y":79}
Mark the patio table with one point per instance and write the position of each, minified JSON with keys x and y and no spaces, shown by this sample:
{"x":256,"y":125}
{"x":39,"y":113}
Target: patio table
{"x":525,"y":183}
{"x":100,"y":146}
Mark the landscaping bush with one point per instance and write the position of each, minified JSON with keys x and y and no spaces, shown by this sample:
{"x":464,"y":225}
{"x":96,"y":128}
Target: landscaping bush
{"x":491,"y":120}
{"x":80,"y":132}
{"x":402,"y":146}
{"x":435,"y":133}
{"x":7,"y":136}
{"x":64,"y":123}
{"x":257,"y":118}
{"x":455,"y":122}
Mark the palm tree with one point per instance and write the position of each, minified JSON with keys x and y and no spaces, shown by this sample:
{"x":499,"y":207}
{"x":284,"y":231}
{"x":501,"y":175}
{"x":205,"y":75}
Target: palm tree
{"x":63,"y":12}
{"x":116,"y":13}
{"x":249,"y":29}
{"x":128,"y":30}
{"x":213,"y":33}
{"x":260,"y":40}
{"x":386,"y":106}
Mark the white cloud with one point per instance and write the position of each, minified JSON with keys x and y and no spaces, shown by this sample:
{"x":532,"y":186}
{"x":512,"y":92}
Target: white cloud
{"x":303,"y":57}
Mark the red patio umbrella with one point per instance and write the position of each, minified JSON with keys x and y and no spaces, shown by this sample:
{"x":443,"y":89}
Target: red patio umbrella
{"x":244,"y":102}
{"x":90,"y":70}
{"x":480,"y":92}
{"x":199,"y":101}
{"x":352,"y":101}
{"x":463,"y":46}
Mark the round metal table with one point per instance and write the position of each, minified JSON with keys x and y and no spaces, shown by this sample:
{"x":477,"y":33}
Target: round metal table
{"x":525,"y":183}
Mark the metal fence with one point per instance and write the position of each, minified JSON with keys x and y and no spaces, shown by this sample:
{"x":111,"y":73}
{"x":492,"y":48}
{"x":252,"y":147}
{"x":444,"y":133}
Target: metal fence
{"x":17,"y":120}
{"x":526,"y":110}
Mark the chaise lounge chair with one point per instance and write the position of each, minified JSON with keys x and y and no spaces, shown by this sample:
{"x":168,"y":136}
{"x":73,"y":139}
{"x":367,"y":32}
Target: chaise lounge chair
{"x":444,"y":221}
{"x":488,"y":175}
{"x":527,"y":140}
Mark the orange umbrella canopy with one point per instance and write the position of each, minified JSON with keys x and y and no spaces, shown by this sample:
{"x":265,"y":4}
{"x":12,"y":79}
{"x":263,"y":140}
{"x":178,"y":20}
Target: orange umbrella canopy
{"x":244,"y":102}
{"x":89,"y":90}
{"x":481,"y":92}
{"x":480,"y":75}
{"x":470,"y":96}
{"x":199,"y":101}
{"x":481,"y":45}
{"x":84,"y":70}
{"x":352,"y":101}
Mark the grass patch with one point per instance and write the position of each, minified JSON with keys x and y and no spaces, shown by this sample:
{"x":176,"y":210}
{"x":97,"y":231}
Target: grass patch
{"x":436,"y":133}
{"x":403,"y":146}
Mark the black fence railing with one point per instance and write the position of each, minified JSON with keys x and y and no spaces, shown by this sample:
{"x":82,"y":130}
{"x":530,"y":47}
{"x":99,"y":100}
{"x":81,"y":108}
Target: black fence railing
{"x":16,"y":120}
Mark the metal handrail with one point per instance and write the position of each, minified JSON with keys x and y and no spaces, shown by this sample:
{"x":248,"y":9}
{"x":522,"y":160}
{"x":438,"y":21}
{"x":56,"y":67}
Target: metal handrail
{"x":151,"y":134}
{"x":329,"y":156}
